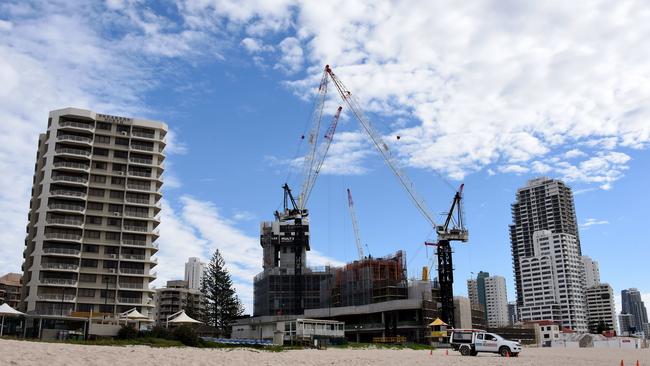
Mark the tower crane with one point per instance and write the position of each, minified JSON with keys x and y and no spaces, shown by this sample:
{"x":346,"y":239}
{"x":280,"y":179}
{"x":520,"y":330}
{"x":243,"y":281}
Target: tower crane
{"x":445,"y":233}
{"x":355,"y":225}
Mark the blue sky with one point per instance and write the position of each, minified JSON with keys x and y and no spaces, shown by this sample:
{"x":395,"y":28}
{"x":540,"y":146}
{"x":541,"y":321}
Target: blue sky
{"x":489,"y":94}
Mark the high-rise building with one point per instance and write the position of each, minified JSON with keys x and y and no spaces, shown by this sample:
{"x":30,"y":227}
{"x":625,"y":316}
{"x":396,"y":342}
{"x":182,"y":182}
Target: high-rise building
{"x":174,"y":297}
{"x":513,"y":313}
{"x":600,"y":307}
{"x":93,"y":215}
{"x":496,"y":302}
{"x":591,"y":272}
{"x":194,"y":272}
{"x":543,"y":204}
{"x":546,"y":255}
{"x":632,"y":304}
{"x":10,"y":289}
{"x":472,"y":292}
{"x":626,"y":324}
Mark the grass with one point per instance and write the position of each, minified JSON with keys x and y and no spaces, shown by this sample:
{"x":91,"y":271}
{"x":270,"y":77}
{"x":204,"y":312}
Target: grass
{"x":354,"y":345}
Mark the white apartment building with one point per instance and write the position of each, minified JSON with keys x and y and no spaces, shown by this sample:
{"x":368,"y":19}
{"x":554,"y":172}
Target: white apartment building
{"x":472,"y":292}
{"x":600,"y":306}
{"x":93,"y":216}
{"x":496,"y":302}
{"x":193,"y":272}
{"x":552,"y":286}
{"x":591,"y":272}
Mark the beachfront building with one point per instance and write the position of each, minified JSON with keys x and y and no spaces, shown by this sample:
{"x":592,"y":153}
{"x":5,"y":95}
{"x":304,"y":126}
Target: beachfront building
{"x":10,"y":289}
{"x":601,"y":310}
{"x":633,"y":304}
{"x":93,"y":216}
{"x":591,"y":272}
{"x":194,"y":272}
{"x":174,"y":297}
{"x":489,"y":293}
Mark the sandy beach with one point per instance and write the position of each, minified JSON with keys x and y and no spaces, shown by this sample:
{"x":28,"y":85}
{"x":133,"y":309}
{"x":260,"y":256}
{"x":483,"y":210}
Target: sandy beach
{"x":54,"y":354}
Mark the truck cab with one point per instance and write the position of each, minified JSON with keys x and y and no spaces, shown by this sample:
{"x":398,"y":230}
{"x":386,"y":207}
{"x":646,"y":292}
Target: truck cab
{"x":469,"y":342}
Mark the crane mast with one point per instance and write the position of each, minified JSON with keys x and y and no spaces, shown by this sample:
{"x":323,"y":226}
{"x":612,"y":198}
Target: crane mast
{"x":355,"y":225}
{"x":445,"y":234}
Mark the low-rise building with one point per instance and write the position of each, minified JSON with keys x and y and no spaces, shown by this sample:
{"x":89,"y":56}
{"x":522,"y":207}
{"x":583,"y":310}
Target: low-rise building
{"x":546,"y":332}
{"x":601,"y":311}
{"x":10,"y":289}
{"x":176,"y":296}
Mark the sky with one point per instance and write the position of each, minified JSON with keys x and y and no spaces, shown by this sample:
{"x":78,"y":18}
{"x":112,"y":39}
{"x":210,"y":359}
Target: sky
{"x":489,"y":93}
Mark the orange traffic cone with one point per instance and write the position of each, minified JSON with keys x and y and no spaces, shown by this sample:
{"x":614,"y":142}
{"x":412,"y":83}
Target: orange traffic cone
{"x":508,"y":354}
{"x":431,"y":352}
{"x":637,"y":363}
{"x":622,"y":364}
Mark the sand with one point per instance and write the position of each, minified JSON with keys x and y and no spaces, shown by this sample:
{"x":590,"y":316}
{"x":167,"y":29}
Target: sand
{"x":54,"y":354}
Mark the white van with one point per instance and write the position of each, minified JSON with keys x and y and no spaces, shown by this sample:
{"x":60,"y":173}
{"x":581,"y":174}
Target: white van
{"x":469,"y":342}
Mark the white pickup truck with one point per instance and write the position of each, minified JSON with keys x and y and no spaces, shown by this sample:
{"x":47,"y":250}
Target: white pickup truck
{"x":469,"y":342}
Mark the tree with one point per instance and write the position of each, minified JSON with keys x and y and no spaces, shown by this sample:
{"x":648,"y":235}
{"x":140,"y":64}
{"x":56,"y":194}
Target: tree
{"x":602,"y":327}
{"x":189,"y":305}
{"x":220,"y":302}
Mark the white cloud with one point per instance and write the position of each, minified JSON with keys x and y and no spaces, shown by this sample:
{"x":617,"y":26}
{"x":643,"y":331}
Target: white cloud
{"x":481,"y":83}
{"x":514,"y":168}
{"x":253,"y":45}
{"x":592,"y":222}
{"x":292,"y":56}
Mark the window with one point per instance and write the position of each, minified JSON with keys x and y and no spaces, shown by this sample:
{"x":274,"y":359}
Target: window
{"x":102,"y":139}
{"x":89,"y":248}
{"x":89,"y":263}
{"x":110,"y":235}
{"x":87,"y":278}
{"x":98,"y":178}
{"x":96,"y":192}
{"x":92,"y":234}
{"x":86,"y":292}
{"x":95,"y":206}
{"x":100,"y":152}
{"x":117,"y":194}
{"x":479,"y":336}
{"x":120,"y":154}
{"x":490,"y":337}
{"x":104,"y":126}
{"x":99,"y":165}
{"x":114,"y":208}
{"x":117,"y":181}
{"x":93,"y":220}
{"x":121,"y":141}
{"x":114,"y":222}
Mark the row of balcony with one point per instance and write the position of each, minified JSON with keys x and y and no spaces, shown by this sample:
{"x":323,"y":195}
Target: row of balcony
{"x":91,"y":127}
{"x":75,"y":267}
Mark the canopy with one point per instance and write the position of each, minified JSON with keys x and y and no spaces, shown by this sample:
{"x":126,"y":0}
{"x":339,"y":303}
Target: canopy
{"x":134,"y":314}
{"x":8,"y":310}
{"x":436,"y":322}
{"x":182,"y":318}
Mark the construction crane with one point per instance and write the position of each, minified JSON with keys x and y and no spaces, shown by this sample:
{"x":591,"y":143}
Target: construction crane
{"x":355,"y":225}
{"x":445,"y":233}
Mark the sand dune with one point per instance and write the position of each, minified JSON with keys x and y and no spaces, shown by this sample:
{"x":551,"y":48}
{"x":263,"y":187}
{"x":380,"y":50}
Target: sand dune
{"x":25,"y":353}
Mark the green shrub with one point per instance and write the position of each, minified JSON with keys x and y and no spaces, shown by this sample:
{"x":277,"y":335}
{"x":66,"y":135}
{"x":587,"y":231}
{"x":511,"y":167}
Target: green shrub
{"x":127,"y":332}
{"x":186,"y":335}
{"x":160,"y":332}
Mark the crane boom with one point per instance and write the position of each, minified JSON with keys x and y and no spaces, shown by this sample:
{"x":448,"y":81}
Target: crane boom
{"x":381,"y":146}
{"x":355,"y":225}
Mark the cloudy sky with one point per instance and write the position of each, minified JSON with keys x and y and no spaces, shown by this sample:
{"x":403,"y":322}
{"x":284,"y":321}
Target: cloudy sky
{"x":489,"y":93}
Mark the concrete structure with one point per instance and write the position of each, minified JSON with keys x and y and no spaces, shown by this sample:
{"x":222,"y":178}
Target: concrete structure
{"x":551,"y":280}
{"x":93,"y":215}
{"x":543,"y":204}
{"x":472,"y":293}
{"x":546,"y":332}
{"x":174,"y":297}
{"x":496,"y":302}
{"x":462,"y":312}
{"x":513,"y":313}
{"x":591,"y":272}
{"x":633,"y":304}
{"x":10,"y":289}
{"x":626,"y":324}
{"x":288,"y":329}
{"x":600,"y":307}
{"x":194,"y":272}
{"x":479,"y":320}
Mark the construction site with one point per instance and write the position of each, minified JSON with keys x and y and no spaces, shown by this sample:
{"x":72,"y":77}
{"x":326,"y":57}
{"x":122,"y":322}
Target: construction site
{"x":371,"y":298}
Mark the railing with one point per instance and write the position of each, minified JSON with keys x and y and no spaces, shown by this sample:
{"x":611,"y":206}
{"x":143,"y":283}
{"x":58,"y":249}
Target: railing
{"x":58,"y":281}
{"x":61,"y":192}
{"x":76,"y":124}
{"x":138,"y":200}
{"x":141,"y":229}
{"x":61,"y":266}
{"x":68,"y":178}
{"x":141,"y":161}
{"x":140,"y":243}
{"x":129,"y":300}
{"x":136,"y":214}
{"x":62,"y":236}
{"x":140,"y":174}
{"x":57,"y":297}
{"x":74,"y":138}
{"x":142,"y":147}
{"x":131,"y":285}
{"x":141,"y":187}
{"x":61,"y":251}
{"x":67,"y":164}
{"x":143,"y":134}
{"x":139,"y":257}
{"x":132,"y":270}
{"x":63,"y":206}
{"x":67,"y":150}
{"x":65,"y":222}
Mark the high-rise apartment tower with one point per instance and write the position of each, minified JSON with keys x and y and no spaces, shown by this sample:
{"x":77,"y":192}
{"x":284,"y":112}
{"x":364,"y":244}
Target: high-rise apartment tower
{"x":93,"y":215}
{"x":193,"y":272}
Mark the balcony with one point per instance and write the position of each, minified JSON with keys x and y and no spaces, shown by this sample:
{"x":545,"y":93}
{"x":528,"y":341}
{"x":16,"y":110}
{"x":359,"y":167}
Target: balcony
{"x":134,"y":286}
{"x":140,"y":229}
{"x":141,"y":201}
{"x":63,"y":251}
{"x":74,"y":138}
{"x":70,"y":151}
{"x":129,"y":300}
{"x":58,"y":282}
{"x":53,"y":297}
{"x":71,"y":165}
{"x":84,"y":126}
{"x":66,"y":193}
{"x":139,"y":243}
{"x":63,"y":206}
{"x":141,"y":161}
{"x":136,"y":214}
{"x":137,"y":257}
{"x":143,"y":134}
{"x":64,"y":222}
{"x":139,"y":187}
{"x":141,"y":147}
{"x":63,"y":266}
{"x":63,"y":236}
{"x":138,"y":271}
{"x":139,"y":174}
{"x":68,"y":178}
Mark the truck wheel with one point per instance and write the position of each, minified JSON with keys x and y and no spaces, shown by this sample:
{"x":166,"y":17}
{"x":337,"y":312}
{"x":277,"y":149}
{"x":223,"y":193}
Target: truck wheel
{"x":473,"y":353}
{"x":504,"y":351}
{"x":465,"y":351}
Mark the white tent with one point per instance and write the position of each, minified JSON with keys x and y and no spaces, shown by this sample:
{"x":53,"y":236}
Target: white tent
{"x":181,"y":318}
{"x":133,"y":314}
{"x":6,"y":310}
